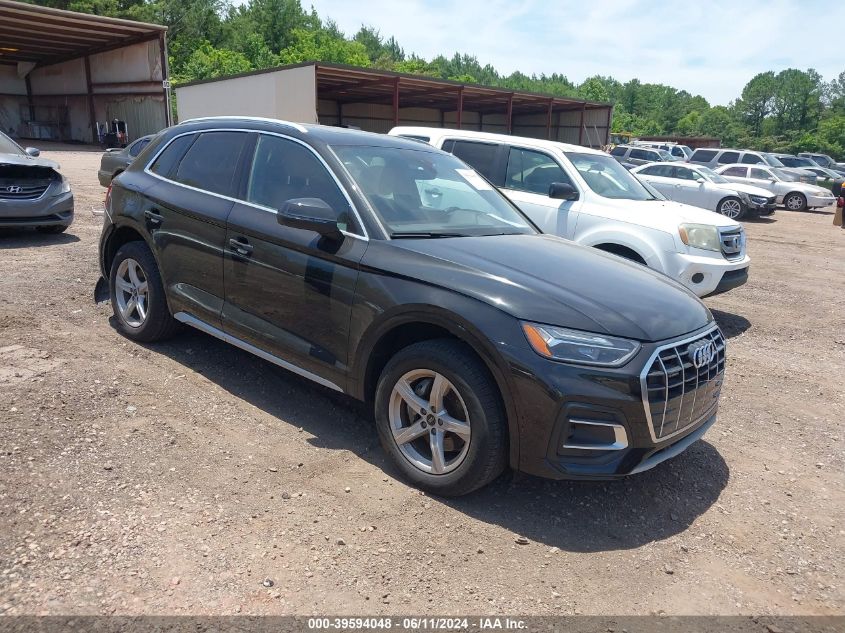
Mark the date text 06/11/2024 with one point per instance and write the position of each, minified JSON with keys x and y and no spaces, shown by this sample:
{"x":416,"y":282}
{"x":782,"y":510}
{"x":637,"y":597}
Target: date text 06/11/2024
{"x":417,"y":623}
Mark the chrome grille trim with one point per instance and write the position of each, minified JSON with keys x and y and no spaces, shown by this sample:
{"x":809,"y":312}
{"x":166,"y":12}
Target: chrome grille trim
{"x":665,"y":393}
{"x":733,"y":243}
{"x":23,"y":192}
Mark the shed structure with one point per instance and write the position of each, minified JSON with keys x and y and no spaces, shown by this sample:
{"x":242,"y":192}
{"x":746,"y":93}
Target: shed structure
{"x":63,"y":71}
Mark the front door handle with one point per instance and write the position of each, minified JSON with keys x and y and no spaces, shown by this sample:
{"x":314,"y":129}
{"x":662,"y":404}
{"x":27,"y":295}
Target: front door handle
{"x":241,"y":246}
{"x":153,"y":216}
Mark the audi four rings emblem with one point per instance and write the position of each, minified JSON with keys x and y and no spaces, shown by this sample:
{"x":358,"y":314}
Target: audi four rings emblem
{"x":13,"y":189}
{"x":702,"y":353}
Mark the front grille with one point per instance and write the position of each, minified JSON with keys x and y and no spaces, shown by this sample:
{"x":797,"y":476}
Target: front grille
{"x":29,"y":191}
{"x":733,"y":243}
{"x":676,"y":394}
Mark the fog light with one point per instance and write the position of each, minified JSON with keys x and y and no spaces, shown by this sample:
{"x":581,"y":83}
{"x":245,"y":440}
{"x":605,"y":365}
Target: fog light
{"x":596,"y":436}
{"x":697,"y":278}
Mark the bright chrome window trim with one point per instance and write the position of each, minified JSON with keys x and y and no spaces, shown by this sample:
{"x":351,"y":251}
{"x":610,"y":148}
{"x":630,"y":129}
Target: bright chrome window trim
{"x":340,"y":186}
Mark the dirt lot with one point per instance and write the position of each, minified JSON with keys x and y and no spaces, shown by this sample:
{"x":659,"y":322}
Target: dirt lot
{"x":176,"y":478}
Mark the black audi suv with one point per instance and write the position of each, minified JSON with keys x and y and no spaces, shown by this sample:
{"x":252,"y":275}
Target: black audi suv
{"x":388,"y":270}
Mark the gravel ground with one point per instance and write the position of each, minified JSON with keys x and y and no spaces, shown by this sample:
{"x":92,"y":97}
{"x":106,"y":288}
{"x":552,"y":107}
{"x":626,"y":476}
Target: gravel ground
{"x":192,"y":478}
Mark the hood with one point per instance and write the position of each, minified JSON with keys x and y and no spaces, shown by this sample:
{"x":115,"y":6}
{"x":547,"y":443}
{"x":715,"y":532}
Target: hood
{"x":550,"y":280}
{"x":751,"y":190}
{"x":813,"y":190}
{"x":665,"y":215}
{"x":27,"y":161}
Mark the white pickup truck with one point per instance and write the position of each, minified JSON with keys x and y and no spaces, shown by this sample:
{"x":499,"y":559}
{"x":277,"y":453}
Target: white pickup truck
{"x":586,"y":196}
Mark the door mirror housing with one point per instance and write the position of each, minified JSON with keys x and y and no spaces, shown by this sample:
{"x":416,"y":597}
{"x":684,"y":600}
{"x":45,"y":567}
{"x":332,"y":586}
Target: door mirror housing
{"x":32,"y":151}
{"x":310,"y":214}
{"x":700,"y":181}
{"x":562,"y":191}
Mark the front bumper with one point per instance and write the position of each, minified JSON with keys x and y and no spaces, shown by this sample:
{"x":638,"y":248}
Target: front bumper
{"x":45,"y":211}
{"x":558,"y":400}
{"x":703,"y":275}
{"x":766,"y":208}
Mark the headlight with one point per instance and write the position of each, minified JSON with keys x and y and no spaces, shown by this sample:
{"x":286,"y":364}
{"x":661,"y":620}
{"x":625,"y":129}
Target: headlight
{"x":65,"y":185}
{"x":759,"y":199}
{"x":574,"y":346}
{"x":702,"y":236}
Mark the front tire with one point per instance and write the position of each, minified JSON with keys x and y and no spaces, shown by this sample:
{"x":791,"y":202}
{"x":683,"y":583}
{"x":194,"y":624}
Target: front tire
{"x":731,"y":207}
{"x":440,"y":418}
{"x":795,"y":201}
{"x":137,"y":295}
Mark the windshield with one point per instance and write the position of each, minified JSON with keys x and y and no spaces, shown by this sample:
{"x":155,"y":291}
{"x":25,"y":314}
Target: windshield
{"x":712,"y":176}
{"x":666,"y":156}
{"x":771,"y":161}
{"x":785,"y":175}
{"x":418,"y":193}
{"x":8,"y":146}
{"x":686,"y":150}
{"x":608,"y":178}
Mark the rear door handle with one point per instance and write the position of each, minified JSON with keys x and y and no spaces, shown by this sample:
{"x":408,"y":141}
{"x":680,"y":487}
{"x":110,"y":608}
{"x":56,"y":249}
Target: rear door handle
{"x":153,"y":216}
{"x":241,"y":246}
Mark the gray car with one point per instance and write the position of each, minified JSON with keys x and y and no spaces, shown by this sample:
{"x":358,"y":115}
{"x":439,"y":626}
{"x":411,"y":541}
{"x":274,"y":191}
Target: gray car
{"x":32,"y":191}
{"x":116,"y":160}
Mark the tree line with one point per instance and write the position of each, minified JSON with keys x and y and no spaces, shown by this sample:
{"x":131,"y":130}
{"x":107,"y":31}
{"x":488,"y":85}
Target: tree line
{"x":792,"y":110}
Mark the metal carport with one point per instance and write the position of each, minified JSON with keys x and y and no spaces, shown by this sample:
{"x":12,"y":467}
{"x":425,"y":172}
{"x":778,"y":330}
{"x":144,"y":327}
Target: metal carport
{"x":62,"y":71}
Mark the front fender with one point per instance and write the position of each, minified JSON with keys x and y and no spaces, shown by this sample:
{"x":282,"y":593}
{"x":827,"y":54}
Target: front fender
{"x":650,"y":247}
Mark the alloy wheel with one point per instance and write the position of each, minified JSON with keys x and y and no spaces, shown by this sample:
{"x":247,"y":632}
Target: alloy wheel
{"x":131,"y":293}
{"x":794,"y":203}
{"x":429,"y":421}
{"x":731,"y":209}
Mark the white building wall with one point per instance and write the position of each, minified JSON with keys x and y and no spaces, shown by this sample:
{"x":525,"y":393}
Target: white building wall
{"x":285,"y":94}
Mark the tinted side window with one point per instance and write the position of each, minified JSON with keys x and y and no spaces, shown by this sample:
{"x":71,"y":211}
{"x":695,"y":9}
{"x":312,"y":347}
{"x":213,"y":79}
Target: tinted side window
{"x":658,"y":170}
{"x":533,"y":171}
{"x":619,"y":151}
{"x":448,"y":144}
{"x":283,"y":170}
{"x":169,"y":158}
{"x":703,"y":155}
{"x":480,"y":156}
{"x":735,"y":171}
{"x":212,"y":162}
{"x":728,"y":157}
{"x":641,"y":154}
{"x":685,"y":174}
{"x":137,"y":147}
{"x":760,"y":174}
{"x":752,"y":159}
{"x":677,"y":151}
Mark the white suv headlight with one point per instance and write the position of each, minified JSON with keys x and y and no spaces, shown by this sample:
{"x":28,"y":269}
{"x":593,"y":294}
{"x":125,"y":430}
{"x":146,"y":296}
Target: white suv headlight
{"x":703,"y":236}
{"x":574,"y":346}
{"x":65,"y":185}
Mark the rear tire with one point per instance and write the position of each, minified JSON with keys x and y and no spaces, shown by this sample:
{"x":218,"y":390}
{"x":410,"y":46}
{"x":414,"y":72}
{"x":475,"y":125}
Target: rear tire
{"x":137,"y":295}
{"x":731,"y":207}
{"x":53,"y":229}
{"x":795,"y":201}
{"x":440,"y":418}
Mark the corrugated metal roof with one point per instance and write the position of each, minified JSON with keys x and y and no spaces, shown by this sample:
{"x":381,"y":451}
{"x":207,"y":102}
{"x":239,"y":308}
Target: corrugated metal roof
{"x":31,"y":33}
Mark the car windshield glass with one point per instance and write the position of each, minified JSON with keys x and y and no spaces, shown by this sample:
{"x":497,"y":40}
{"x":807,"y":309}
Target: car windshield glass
{"x":608,"y":178}
{"x":8,"y":146}
{"x":664,"y":155}
{"x":686,"y":150}
{"x":771,"y":161}
{"x":712,"y":176}
{"x":785,"y":175}
{"x":418,"y":193}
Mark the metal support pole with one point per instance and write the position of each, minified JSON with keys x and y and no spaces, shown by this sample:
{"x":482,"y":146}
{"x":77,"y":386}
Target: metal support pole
{"x":549,"y":121}
{"x":92,"y":114}
{"x":510,"y":113}
{"x":396,"y":102}
{"x":460,"y":105}
{"x":581,"y":127}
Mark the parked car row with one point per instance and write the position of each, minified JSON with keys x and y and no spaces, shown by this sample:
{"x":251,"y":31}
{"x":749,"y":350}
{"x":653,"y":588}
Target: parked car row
{"x":396,"y":273}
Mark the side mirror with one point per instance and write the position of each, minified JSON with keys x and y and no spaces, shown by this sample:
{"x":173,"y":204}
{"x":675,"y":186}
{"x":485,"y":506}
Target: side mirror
{"x":562,"y":191}
{"x":700,"y":181}
{"x":310,"y":214}
{"x":31,"y":151}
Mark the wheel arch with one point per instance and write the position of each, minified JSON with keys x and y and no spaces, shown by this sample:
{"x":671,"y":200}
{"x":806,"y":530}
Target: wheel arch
{"x":415,"y":324}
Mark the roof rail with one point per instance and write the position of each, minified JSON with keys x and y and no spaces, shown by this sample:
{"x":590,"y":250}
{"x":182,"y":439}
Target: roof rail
{"x":295,"y":126}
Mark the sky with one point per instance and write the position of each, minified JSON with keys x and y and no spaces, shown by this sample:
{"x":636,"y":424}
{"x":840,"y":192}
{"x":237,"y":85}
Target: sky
{"x":708,"y":47}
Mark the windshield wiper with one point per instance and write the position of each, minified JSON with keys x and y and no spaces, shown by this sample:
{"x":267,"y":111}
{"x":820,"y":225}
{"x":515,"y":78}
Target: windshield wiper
{"x":425,"y":234}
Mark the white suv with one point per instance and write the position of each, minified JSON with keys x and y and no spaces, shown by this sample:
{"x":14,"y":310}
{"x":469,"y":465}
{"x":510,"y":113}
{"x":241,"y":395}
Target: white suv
{"x":586,"y":196}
